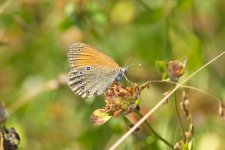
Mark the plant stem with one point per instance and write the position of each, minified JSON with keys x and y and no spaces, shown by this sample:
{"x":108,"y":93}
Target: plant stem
{"x":153,"y":131}
{"x":178,"y":115}
{"x":127,"y":121}
{"x":189,"y":87}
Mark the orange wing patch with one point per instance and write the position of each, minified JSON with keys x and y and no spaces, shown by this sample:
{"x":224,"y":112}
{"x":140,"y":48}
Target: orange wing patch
{"x":84,"y":55}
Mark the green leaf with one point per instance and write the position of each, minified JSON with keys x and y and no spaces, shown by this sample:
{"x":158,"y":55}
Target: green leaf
{"x":165,"y":76}
{"x":161,"y":66}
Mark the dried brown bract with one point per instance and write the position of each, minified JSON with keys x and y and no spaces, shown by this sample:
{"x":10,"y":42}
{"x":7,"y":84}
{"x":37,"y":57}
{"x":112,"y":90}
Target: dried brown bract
{"x":185,"y":106}
{"x":185,"y":142}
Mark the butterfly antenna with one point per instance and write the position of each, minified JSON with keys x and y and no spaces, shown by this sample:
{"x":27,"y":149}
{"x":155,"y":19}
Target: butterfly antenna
{"x":127,"y":79}
{"x":135,"y":65}
{"x":127,"y":68}
{"x":132,"y":56}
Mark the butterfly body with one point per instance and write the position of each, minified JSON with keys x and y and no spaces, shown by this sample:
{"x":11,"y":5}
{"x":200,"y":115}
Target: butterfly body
{"x":92,"y":71}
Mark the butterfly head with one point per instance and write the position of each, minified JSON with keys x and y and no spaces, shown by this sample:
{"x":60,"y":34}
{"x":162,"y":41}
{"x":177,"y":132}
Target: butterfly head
{"x":120,"y":74}
{"x":124,"y":70}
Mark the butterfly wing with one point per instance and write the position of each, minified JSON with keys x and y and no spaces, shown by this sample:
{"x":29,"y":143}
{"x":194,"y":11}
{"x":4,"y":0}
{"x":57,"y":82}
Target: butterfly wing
{"x":81,"y":54}
{"x":88,"y":83}
{"x":92,"y":71}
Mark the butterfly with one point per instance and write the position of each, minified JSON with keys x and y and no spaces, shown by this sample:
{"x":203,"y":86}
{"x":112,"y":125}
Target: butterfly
{"x":92,"y":71}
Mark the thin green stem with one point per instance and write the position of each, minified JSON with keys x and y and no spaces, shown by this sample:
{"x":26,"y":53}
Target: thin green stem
{"x":127,"y":121}
{"x":189,"y":87}
{"x":201,"y":91}
{"x":178,"y":115}
{"x":153,"y":131}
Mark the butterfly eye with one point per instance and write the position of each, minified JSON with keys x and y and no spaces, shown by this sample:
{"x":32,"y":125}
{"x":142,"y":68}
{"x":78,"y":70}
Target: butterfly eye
{"x":88,"y":68}
{"x":80,"y":82}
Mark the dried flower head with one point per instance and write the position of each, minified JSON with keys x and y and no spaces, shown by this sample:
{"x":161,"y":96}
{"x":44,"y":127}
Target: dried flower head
{"x":171,"y":70}
{"x":120,"y":100}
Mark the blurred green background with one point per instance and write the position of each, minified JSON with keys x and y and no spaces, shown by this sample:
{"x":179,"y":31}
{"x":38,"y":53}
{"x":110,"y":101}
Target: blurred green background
{"x":34,"y":37}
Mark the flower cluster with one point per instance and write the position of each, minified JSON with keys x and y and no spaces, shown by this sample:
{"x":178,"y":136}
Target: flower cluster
{"x":120,"y":100}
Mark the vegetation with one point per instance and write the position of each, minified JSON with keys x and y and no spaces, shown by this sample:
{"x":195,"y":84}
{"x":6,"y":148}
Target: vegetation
{"x":46,"y":114}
